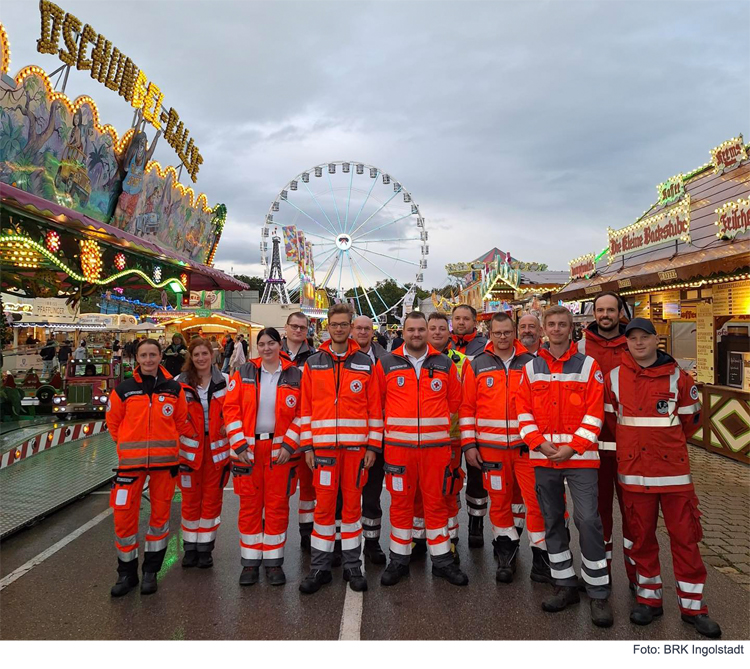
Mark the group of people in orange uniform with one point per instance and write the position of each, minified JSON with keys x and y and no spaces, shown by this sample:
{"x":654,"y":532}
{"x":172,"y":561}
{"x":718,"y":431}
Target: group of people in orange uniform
{"x":608,"y":415}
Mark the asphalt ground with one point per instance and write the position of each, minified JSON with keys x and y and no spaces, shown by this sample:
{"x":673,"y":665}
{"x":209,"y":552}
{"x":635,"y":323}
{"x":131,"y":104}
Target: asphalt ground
{"x":67,"y":595}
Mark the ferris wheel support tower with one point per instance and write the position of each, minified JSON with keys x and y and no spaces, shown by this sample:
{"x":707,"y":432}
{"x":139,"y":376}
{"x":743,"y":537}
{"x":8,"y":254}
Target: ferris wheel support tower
{"x":275,"y":290}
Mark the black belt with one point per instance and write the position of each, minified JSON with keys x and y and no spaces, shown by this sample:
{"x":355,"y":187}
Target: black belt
{"x":263,"y":435}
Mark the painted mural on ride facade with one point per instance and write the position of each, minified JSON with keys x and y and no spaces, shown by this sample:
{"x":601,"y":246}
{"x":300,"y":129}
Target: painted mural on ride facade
{"x":59,"y":151}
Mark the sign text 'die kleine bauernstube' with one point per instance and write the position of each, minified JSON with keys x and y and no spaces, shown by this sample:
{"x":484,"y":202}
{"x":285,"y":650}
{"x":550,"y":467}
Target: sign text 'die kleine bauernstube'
{"x":109,"y":66}
{"x":666,"y":226}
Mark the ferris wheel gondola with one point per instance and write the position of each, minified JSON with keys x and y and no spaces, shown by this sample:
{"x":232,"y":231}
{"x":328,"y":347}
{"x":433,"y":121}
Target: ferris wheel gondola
{"x":364,"y":228}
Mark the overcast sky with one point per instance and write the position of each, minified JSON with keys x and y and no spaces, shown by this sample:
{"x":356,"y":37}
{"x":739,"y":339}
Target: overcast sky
{"x":530,"y":126}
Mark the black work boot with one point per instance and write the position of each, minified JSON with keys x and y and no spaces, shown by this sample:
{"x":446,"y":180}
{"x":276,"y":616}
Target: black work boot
{"x":601,"y":613}
{"x":314,"y":581}
{"x":642,"y":614}
{"x":393,"y":573}
{"x":205,"y":560}
{"x":506,"y":550}
{"x":454,"y":550}
{"x":476,"y":531}
{"x":373,"y":552}
{"x":148,"y":585}
{"x":562,"y":597}
{"x":275,"y":575}
{"x":356,"y":579}
{"x":249,"y":575}
{"x":540,"y":572}
{"x":418,"y":548}
{"x":703,"y":625}
{"x":451,"y":573}
{"x":336,"y":559}
{"x":125,"y":583}
{"x":190,"y":559}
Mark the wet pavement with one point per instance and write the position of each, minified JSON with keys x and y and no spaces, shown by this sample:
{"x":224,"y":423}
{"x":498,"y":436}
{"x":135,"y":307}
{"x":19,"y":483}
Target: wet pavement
{"x":67,"y":595}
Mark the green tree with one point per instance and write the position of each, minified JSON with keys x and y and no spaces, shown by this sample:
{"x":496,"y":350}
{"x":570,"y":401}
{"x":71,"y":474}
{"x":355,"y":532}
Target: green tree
{"x":254,"y":282}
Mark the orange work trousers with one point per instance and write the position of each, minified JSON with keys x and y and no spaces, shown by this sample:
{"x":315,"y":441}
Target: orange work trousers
{"x":306,"y":506}
{"x":338,"y":469}
{"x":202,"y":498}
{"x":503,"y":469}
{"x":452,"y":497}
{"x":264,"y":486}
{"x":125,"y":500}
{"x":427,"y":470}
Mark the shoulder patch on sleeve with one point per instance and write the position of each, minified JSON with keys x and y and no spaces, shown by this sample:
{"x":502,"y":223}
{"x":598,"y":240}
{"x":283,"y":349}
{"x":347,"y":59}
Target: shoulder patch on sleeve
{"x":694,"y":393}
{"x":598,"y":376}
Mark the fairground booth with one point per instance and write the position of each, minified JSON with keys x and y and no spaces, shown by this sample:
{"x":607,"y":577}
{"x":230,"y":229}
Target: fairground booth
{"x":84,"y":210}
{"x":497,"y":282}
{"x":685,"y":264}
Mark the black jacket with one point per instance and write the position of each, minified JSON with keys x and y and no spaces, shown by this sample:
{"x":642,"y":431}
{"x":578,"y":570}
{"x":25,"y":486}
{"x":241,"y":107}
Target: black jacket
{"x":302,"y":355}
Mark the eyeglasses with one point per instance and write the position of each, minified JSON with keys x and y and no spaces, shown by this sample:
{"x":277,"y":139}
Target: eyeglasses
{"x":502,"y":335}
{"x":297,"y":328}
{"x":339,"y":326}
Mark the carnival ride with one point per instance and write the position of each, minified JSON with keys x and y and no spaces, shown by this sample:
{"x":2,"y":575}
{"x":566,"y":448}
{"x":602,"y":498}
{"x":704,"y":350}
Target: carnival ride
{"x":87,"y":384}
{"x":357,"y":228}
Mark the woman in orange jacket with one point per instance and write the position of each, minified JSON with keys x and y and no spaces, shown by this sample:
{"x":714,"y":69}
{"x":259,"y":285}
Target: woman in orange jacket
{"x":204,"y":461}
{"x":146,"y":415}
{"x":262,"y":401}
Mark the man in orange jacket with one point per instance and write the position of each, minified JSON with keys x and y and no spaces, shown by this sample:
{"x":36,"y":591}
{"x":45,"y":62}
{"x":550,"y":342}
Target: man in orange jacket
{"x":604,"y":340}
{"x":491,"y":441}
{"x":421,"y":390}
{"x":469,"y":341}
{"x":560,"y":413}
{"x":656,"y":408}
{"x":341,"y":431}
{"x":146,"y":416}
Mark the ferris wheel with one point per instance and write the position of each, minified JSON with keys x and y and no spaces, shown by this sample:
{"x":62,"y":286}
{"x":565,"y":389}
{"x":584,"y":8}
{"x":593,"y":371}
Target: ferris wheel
{"x":361,"y":228}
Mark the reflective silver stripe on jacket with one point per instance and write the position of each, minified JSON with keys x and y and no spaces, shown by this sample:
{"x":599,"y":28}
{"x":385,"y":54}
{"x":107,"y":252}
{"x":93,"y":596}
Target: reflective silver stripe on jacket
{"x":655,"y":481}
{"x":648,"y":421}
{"x":417,"y":422}
{"x":415,"y":437}
{"x":487,"y":422}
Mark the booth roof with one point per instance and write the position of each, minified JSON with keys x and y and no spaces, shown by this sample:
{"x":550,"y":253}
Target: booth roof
{"x":707,"y":192}
{"x":203,"y":277}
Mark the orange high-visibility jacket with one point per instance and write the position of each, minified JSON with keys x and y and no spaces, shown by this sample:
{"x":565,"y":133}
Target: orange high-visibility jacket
{"x":608,"y":354}
{"x":488,"y":415}
{"x":418,"y":410}
{"x":654,"y":410}
{"x":147,"y":428}
{"x":562,"y":401}
{"x":241,"y":405}
{"x":191,"y":450}
{"x":340,"y":402}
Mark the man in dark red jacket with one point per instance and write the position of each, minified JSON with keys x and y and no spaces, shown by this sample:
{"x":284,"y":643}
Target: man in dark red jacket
{"x":604,"y":340}
{"x":654,"y":407}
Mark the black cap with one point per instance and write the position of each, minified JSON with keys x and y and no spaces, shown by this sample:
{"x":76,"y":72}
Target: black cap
{"x":640,"y":324}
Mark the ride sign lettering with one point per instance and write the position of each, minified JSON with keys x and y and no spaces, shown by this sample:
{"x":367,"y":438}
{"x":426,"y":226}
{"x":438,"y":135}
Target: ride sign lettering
{"x":86,"y":49}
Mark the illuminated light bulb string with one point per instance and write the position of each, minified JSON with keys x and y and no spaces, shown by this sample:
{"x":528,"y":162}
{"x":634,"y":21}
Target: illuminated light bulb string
{"x":25,"y":245}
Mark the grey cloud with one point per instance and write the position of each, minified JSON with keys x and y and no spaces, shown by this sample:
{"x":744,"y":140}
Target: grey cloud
{"x":523,"y":125}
